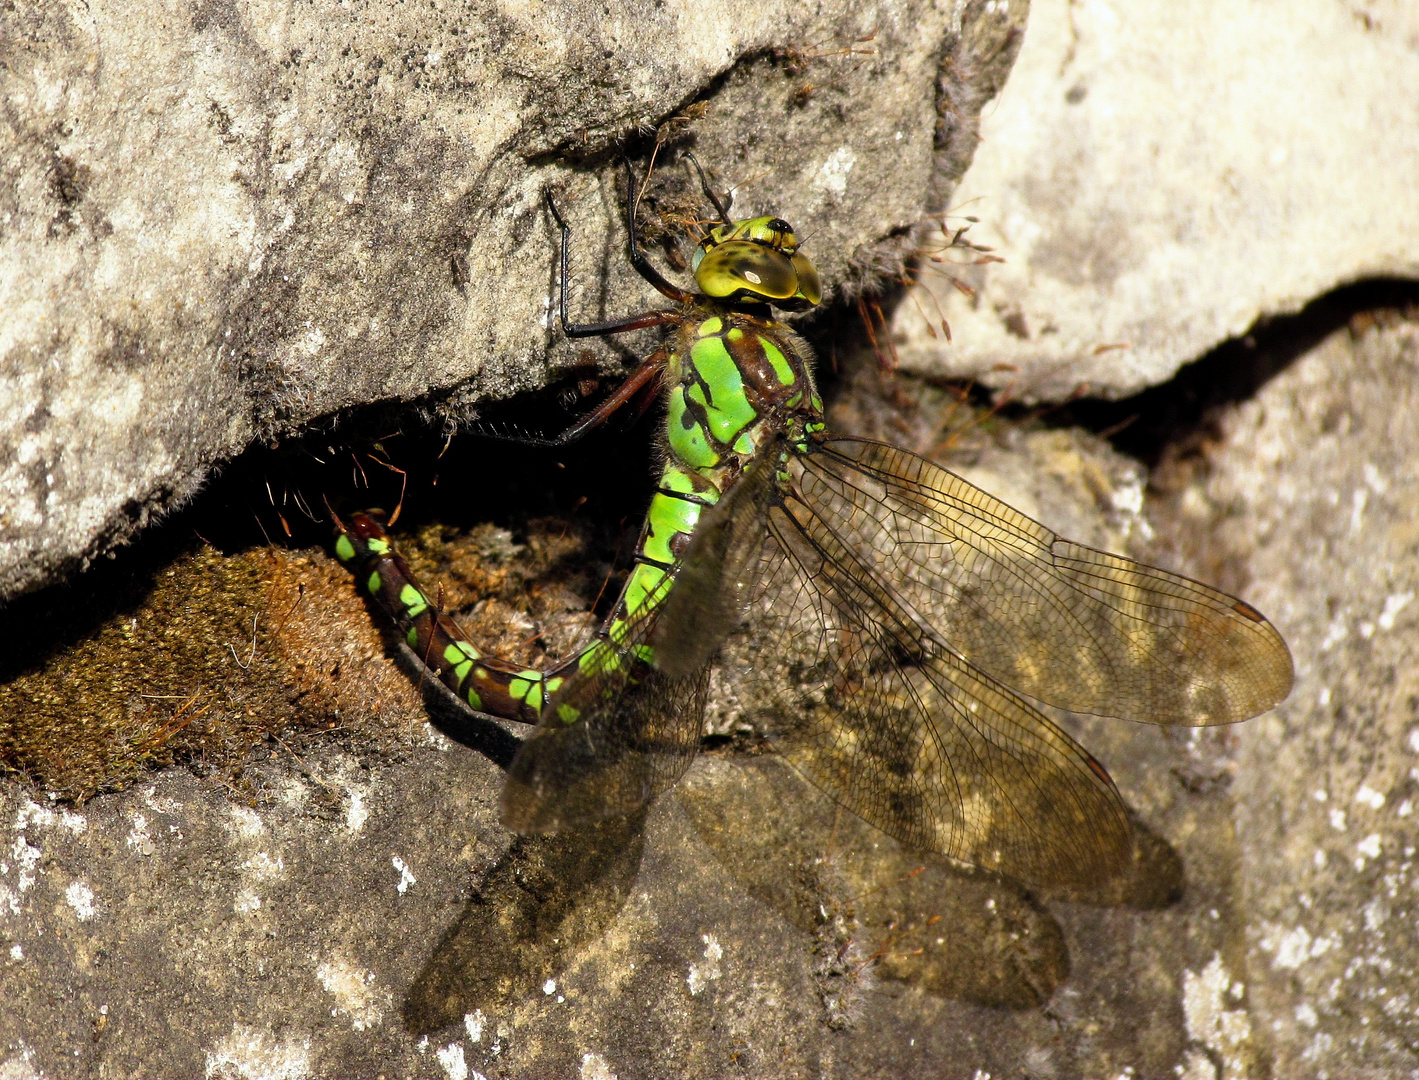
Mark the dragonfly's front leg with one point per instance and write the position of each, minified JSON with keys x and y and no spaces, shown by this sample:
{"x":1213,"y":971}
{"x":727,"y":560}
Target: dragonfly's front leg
{"x":616,"y":326}
{"x":643,"y":382}
{"x":484,"y":682}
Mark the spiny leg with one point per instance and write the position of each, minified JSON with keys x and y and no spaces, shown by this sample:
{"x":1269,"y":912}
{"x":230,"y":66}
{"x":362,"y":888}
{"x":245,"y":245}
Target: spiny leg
{"x":719,"y":207}
{"x":638,"y":259}
{"x":650,"y":368}
{"x":613,"y":326}
{"x":646,"y":375}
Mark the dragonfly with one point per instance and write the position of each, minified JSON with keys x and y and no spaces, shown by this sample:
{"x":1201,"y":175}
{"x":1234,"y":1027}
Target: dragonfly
{"x":889,"y":627}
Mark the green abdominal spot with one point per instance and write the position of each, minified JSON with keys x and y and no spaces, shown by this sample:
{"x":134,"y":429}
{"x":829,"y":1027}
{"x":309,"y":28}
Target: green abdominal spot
{"x":413,"y":601}
{"x":527,"y":687}
{"x":667,"y":517}
{"x":458,"y":651}
{"x":677,"y":480}
{"x":344,"y":548}
{"x":600,"y":659}
{"x":646,"y":589}
{"x":460,"y":656}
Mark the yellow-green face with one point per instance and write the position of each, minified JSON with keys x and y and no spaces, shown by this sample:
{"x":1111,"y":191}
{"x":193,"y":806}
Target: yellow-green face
{"x":756,"y":261}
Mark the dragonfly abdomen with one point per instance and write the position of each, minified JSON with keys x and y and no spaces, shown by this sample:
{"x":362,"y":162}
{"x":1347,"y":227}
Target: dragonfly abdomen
{"x":499,"y":687}
{"x":745,"y":378}
{"x":487,"y":683}
{"x":731,"y":380}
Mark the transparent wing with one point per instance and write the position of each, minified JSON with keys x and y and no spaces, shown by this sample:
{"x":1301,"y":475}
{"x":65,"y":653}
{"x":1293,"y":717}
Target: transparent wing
{"x":882,"y":716}
{"x":635,"y":732}
{"x":1077,"y":628}
{"x":718,"y":570}
{"x":637,"y":727}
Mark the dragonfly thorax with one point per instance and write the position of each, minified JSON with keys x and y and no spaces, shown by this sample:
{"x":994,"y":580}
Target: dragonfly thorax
{"x":733,"y":379}
{"x":756,"y":262}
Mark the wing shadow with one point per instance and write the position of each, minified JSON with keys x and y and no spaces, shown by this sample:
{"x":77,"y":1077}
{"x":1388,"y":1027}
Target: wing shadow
{"x":544,"y":900}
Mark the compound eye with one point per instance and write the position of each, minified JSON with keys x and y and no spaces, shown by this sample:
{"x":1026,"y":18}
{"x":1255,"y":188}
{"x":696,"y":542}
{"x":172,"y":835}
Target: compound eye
{"x":809,"y":287}
{"x":739,"y":267}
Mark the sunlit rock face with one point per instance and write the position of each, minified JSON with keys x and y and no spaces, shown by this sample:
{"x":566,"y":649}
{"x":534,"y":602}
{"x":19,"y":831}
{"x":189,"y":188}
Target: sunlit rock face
{"x":284,"y":857}
{"x":1158,"y":177}
{"x":225,"y":221}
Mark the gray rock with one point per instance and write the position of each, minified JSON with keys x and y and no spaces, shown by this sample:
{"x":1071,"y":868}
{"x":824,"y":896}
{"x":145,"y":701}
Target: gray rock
{"x":1157,"y":177}
{"x":1317,"y":482}
{"x":357,"y":910}
{"x":219,"y":225}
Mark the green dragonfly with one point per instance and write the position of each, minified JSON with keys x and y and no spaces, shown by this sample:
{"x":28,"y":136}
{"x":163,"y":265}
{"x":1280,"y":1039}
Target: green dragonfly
{"x":900,"y":618}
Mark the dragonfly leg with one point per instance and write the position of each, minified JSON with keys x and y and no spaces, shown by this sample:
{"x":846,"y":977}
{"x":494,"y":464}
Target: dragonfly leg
{"x":719,"y":207}
{"x":486,"y":683}
{"x":644,"y":380}
{"x":614,"y":326}
{"x":638,"y":260}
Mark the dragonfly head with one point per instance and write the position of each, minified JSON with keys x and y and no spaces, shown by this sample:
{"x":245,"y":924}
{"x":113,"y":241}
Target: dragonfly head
{"x":756,"y":262}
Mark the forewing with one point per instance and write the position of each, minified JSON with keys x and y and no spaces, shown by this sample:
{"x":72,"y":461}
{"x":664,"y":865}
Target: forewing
{"x":1078,"y":628}
{"x":881,"y":716}
{"x":636,"y":732}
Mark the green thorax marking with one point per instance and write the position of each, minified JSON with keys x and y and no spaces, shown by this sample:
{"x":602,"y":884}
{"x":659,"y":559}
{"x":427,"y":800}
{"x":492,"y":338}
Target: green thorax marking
{"x":733,"y":377}
{"x":727,"y":409}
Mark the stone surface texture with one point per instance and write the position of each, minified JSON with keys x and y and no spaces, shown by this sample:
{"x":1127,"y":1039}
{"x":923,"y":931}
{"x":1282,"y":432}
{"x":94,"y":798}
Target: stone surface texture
{"x":326,"y":891}
{"x":1318,"y":479}
{"x":348,"y":905}
{"x":222,"y":220}
{"x":1157,"y":177}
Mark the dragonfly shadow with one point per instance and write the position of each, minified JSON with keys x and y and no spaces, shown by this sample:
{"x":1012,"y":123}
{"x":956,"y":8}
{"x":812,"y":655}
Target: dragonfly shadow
{"x":544,"y":900}
{"x":477,"y":731}
{"x":1154,"y":879}
{"x":911,"y":916}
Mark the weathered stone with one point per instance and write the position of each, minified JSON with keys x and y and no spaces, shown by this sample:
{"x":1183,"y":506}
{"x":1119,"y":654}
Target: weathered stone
{"x":352,"y":907}
{"x":746,"y":923}
{"x":222,"y":221}
{"x":1316,"y":483}
{"x":1158,"y":177}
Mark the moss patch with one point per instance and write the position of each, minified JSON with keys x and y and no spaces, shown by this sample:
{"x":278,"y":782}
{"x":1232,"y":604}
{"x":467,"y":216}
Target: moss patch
{"x":220,"y":658}
{"x":220,"y":654}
